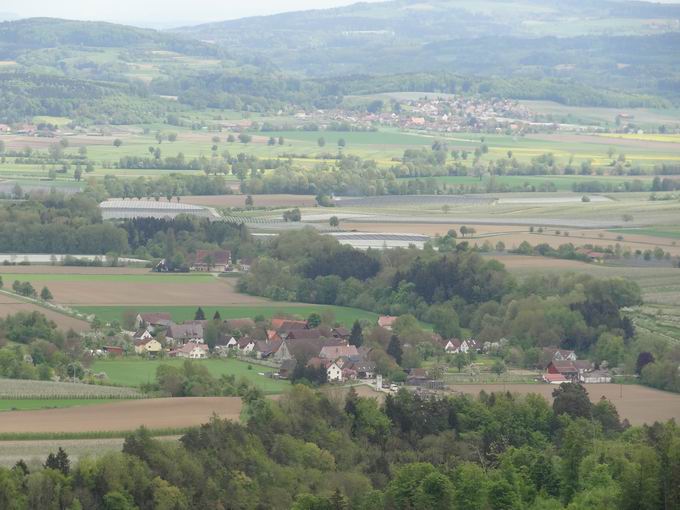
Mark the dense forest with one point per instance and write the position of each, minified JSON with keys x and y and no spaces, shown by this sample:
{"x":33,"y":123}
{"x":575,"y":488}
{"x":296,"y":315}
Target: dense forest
{"x":308,"y":451}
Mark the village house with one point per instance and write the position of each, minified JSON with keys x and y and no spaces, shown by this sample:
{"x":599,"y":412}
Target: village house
{"x":142,"y":334}
{"x":386,"y":321}
{"x":191,"y":351}
{"x":149,"y":345}
{"x":337,"y":351}
{"x":245,"y":345}
{"x":183,"y":333}
{"x":217,"y":260}
{"x":287,"y":325}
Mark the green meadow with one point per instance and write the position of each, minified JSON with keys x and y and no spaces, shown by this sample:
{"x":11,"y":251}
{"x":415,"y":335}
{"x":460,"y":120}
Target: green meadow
{"x":343,"y":315}
{"x":41,"y":403}
{"x":135,"y":372}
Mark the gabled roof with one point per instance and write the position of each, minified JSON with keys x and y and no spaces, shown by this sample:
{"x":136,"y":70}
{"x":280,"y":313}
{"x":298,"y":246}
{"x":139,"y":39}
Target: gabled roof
{"x":185,"y":331}
{"x":282,"y":324}
{"x":218,"y":256}
{"x":267,"y":348}
{"x":341,"y":332}
{"x":300,"y":334}
{"x":337,"y":351}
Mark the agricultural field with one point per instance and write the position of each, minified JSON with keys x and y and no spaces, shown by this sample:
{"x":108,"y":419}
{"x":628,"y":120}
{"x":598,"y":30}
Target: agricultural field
{"x":638,"y":404}
{"x":135,"y":289}
{"x":162,"y":413}
{"x":11,"y":304}
{"x":35,"y":451}
{"x":343,"y":315}
{"x":135,"y":372}
{"x":42,"y":403}
{"x":15,"y":389}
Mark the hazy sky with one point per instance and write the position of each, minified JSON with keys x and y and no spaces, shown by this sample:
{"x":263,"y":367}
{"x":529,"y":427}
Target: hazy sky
{"x":159,"y":12}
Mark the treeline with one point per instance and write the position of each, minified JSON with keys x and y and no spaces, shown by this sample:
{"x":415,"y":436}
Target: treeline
{"x":57,"y":224}
{"x":166,"y":186}
{"x":26,"y":94}
{"x":177,"y":239}
{"x":308,"y":451}
{"x":40,"y":350}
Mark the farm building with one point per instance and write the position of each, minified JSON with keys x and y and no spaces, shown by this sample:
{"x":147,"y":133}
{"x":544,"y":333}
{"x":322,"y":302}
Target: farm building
{"x":121,"y":209}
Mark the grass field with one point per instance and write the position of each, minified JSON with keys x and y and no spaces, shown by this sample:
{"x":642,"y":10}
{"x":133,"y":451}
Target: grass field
{"x":135,"y":372}
{"x":32,"y":404}
{"x":343,"y":315}
{"x":670,"y":232}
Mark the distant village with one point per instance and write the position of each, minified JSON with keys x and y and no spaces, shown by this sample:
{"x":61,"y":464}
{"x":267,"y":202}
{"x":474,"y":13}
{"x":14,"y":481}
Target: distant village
{"x":281,"y":343}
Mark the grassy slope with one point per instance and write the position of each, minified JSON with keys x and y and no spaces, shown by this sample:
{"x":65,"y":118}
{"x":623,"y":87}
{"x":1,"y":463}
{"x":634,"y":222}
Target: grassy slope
{"x":344,"y":315}
{"x":135,"y":372}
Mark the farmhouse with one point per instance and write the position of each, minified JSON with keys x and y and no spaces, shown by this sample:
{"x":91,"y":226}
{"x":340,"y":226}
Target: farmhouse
{"x":565,"y":368}
{"x":217,"y":260}
{"x":113,"y":350}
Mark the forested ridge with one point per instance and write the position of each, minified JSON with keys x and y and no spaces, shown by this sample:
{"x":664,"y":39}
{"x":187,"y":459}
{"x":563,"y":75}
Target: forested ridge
{"x":308,"y":451}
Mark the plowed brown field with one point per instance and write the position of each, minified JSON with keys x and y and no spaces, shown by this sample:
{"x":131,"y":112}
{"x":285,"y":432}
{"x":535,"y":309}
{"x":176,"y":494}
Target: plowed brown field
{"x":157,"y":413}
{"x":9,"y":306}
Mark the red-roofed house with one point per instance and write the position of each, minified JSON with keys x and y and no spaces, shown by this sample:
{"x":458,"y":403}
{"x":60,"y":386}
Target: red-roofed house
{"x":386,"y":321}
{"x":205,"y":260}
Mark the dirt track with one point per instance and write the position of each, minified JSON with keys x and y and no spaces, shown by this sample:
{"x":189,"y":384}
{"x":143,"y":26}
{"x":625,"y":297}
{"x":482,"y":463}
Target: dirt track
{"x":123,"y":416}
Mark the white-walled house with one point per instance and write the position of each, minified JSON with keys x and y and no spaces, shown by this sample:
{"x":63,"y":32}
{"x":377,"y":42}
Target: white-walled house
{"x":334,"y":373}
